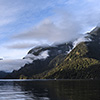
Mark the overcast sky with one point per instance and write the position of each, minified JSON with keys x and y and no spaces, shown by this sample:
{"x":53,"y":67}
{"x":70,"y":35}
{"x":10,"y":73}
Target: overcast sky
{"x":28,"y":23}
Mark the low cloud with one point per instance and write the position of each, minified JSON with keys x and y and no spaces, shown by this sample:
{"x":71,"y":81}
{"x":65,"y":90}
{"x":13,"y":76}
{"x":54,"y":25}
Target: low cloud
{"x":12,"y":53}
{"x":42,"y":55}
{"x":10,"y":65}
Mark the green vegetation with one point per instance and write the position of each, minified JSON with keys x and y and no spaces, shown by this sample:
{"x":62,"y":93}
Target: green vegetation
{"x":75,"y":65}
{"x":83,"y":62}
{"x":22,"y":77}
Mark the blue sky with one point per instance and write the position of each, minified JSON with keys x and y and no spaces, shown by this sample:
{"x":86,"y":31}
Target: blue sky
{"x":28,"y":23}
{"x":22,"y":15}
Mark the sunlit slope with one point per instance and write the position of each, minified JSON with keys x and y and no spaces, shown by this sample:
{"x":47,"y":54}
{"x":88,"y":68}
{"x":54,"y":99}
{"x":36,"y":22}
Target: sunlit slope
{"x":83,"y":62}
{"x":78,"y":64}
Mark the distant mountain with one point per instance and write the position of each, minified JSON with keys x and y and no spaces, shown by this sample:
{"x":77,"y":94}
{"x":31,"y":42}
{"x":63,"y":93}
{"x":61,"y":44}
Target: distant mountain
{"x":3,"y":74}
{"x":82,"y":62}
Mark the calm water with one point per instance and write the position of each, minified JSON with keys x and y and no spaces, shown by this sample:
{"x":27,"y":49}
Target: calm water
{"x":50,"y":90}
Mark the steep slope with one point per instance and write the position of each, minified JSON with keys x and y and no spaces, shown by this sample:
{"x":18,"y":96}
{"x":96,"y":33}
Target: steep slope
{"x":41,"y":57}
{"x":75,"y":65}
{"x":83,"y":62}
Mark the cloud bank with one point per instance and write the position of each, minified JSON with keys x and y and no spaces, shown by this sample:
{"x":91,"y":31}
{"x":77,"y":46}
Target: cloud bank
{"x":10,"y":65}
{"x":49,"y":31}
{"x":68,"y":22}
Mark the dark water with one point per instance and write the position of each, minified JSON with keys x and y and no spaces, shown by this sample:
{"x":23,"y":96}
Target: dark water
{"x":50,"y":90}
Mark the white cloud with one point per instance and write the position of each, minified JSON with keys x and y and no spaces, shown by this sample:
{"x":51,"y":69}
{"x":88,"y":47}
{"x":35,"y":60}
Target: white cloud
{"x":66,"y":30}
{"x":66,"y":24}
{"x":42,"y":55}
{"x":18,"y":49}
{"x":12,"y":53}
{"x":10,"y":65}
{"x":8,"y":12}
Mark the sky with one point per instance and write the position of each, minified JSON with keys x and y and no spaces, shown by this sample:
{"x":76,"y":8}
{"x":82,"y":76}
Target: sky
{"x":25,"y":24}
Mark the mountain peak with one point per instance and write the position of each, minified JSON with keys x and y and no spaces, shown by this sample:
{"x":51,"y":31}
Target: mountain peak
{"x":83,"y":62}
{"x":95,"y":31}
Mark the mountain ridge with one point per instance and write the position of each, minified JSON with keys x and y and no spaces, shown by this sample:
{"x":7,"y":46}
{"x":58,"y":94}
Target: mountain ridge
{"x":41,"y":65}
{"x":82,"y":62}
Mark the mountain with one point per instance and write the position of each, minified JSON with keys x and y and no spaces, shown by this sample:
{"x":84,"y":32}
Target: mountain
{"x":3,"y":74}
{"x":42,"y":58}
{"x":82,"y":62}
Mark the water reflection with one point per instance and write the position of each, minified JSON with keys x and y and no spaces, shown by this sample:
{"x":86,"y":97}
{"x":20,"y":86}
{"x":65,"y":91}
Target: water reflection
{"x":50,"y":90}
{"x":12,"y":91}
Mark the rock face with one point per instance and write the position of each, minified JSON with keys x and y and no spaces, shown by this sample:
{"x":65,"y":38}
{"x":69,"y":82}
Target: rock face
{"x":83,"y":62}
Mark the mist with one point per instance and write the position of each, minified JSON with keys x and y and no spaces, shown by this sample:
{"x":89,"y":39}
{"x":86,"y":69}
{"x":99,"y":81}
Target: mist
{"x":9,"y":65}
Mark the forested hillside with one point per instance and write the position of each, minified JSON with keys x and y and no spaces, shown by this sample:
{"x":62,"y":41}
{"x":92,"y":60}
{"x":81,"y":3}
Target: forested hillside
{"x":83,"y":62}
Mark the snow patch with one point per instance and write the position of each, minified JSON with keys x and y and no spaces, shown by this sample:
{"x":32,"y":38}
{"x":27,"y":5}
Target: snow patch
{"x":70,"y":49}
